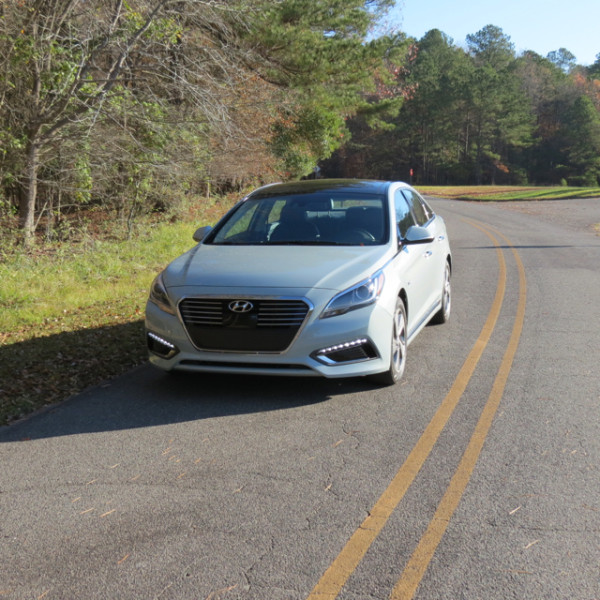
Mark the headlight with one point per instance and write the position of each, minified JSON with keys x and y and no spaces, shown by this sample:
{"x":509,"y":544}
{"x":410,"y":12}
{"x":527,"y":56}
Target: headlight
{"x":362,"y":294}
{"x":159,"y":296}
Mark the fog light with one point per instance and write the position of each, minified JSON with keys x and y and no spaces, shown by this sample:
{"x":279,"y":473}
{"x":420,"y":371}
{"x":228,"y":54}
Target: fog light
{"x":354,"y":351}
{"x":160,"y":346}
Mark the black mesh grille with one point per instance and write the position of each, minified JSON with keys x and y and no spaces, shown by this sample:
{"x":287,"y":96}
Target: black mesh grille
{"x":244,"y":324}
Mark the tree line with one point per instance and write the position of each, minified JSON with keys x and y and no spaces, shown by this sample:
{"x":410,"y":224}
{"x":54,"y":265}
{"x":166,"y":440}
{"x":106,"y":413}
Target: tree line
{"x":480,"y":115}
{"x":132,"y":106}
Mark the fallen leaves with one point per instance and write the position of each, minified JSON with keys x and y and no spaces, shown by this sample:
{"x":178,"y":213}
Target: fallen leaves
{"x":48,"y":363}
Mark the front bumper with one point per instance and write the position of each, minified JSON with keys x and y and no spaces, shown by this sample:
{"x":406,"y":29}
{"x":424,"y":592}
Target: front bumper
{"x":354,"y":344}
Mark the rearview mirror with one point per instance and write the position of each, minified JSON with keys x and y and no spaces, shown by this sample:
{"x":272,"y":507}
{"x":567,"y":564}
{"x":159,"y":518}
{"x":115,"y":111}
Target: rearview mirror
{"x":201,"y":233}
{"x":417,"y":235}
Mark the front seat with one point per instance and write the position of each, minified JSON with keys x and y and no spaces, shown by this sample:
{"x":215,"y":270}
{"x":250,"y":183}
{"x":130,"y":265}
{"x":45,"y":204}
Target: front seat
{"x":294,"y":226}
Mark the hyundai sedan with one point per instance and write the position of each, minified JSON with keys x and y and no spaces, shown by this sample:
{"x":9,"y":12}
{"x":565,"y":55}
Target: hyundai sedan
{"x":329,"y":278}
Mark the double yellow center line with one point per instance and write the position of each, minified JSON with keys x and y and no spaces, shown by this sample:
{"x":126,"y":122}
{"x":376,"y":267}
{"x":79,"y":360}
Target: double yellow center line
{"x":332,"y":581}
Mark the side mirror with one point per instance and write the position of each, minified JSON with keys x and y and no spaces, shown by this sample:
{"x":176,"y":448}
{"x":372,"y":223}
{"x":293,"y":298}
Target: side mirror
{"x":201,"y":233}
{"x":417,"y":235}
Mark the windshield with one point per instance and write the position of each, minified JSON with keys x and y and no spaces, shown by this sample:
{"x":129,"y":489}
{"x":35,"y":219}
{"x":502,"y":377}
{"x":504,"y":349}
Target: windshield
{"x":348,"y":219}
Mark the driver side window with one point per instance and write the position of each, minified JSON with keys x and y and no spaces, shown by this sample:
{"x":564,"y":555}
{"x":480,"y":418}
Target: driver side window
{"x":404,"y":217}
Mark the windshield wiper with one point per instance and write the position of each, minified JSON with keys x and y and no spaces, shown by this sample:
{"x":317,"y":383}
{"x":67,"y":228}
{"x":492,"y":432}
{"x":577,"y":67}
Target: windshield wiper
{"x":305,"y":243}
{"x":229,"y":243}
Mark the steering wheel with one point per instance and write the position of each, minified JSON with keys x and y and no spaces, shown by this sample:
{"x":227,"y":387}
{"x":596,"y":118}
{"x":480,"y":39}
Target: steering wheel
{"x":365,"y":235}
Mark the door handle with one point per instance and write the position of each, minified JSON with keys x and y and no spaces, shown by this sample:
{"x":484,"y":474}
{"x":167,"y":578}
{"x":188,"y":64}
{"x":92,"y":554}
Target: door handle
{"x":428,"y":254}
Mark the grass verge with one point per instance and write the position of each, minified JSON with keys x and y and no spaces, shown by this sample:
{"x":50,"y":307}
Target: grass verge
{"x":71,"y":315}
{"x":492,"y":193}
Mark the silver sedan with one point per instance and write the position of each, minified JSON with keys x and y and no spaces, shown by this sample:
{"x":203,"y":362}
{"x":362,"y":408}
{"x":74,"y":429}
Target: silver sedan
{"x":323,"y":277}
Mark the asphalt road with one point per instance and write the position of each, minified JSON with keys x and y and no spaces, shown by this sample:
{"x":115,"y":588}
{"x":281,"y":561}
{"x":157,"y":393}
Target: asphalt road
{"x":476,"y":477}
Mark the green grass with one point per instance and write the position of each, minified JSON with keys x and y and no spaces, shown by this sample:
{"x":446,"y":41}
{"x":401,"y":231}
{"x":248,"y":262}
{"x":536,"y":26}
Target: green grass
{"x":47,"y":284}
{"x":505,"y":193}
{"x":71,"y":315}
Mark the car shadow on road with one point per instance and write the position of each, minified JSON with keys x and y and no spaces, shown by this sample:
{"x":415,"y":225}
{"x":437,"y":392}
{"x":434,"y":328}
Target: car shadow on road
{"x":147,"y":397}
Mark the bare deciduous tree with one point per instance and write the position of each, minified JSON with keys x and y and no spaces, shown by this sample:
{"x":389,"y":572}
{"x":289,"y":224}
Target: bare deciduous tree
{"x":64,"y":62}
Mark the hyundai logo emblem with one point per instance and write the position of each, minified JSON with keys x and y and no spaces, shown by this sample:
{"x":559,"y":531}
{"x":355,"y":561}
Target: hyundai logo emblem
{"x":240,"y":306}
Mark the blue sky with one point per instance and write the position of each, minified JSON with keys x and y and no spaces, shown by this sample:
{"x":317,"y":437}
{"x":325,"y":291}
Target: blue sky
{"x":538,"y":25}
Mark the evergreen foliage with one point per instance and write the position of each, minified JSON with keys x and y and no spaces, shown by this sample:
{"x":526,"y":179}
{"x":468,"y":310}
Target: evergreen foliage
{"x":482,"y":116}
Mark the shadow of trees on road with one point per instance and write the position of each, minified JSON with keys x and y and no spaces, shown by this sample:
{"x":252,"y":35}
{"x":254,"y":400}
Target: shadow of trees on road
{"x":48,"y":369}
{"x":98,"y":365}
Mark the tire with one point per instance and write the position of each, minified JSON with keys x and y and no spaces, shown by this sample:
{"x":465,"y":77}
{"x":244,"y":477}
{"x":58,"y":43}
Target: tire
{"x":443,"y":314}
{"x":398,"y":348}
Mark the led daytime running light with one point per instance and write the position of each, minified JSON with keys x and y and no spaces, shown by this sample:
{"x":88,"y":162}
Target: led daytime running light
{"x":343,"y":346}
{"x":160,"y":340}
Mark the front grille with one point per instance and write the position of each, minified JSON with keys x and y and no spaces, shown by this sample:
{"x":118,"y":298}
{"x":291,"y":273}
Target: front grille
{"x":289,"y":313}
{"x":242,"y":324}
{"x":202,"y":312}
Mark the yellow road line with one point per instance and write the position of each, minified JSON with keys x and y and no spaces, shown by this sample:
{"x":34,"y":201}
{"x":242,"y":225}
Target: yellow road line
{"x":415,"y":569}
{"x":335,"y":577}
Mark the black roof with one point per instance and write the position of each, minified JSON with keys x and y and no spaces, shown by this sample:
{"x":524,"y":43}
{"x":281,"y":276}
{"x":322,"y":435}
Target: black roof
{"x":311,"y":186}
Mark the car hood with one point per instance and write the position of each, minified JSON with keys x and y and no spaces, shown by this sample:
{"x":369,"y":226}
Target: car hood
{"x":325,"y":267}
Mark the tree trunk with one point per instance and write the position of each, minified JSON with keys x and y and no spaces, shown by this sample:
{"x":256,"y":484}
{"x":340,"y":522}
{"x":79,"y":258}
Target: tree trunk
{"x":479,"y":154}
{"x":27,"y":199}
